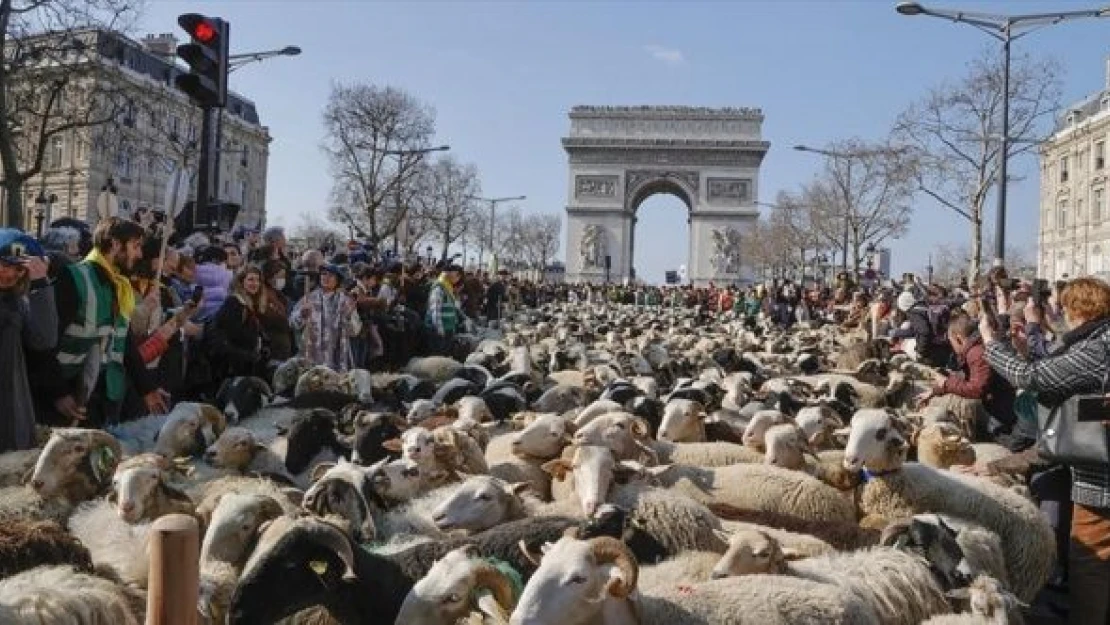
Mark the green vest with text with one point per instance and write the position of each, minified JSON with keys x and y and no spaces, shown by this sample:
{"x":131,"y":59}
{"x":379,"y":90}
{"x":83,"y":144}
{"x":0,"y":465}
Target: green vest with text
{"x":96,"y":326}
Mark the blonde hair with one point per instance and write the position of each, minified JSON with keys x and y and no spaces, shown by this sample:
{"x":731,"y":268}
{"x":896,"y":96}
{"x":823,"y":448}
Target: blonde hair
{"x":1087,"y":298}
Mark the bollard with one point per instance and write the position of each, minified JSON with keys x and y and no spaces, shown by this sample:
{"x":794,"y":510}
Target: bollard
{"x":174,"y":571}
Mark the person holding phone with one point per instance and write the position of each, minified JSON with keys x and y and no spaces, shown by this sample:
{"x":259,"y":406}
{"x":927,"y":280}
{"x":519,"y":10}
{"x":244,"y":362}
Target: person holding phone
{"x":1080,"y":366}
{"x":28,"y":320}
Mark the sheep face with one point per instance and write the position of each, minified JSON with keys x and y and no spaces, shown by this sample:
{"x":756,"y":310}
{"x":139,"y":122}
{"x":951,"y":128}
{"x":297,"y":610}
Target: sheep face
{"x":419,"y":410}
{"x":71,"y":454}
{"x":349,"y":491}
{"x":875,"y":442}
{"x":573,"y":581}
{"x":417,"y":445}
{"x":183,"y":432}
{"x":235,"y":520}
{"x":474,"y":408}
{"x":683,"y":422}
{"x":544,"y":437}
{"x":372,"y":430}
{"x":942,"y":445}
{"x":750,"y":552}
{"x":307,"y":436}
{"x":480,"y":503}
{"x":786,"y":447}
{"x":817,"y":424}
{"x":757,"y":427}
{"x":621,"y":432}
{"x":234,"y":449}
{"x":443,"y":596}
{"x":360,"y":384}
{"x":242,"y":397}
{"x":137,"y":481}
{"x":593,"y":469}
{"x":287,"y":374}
{"x":319,"y":378}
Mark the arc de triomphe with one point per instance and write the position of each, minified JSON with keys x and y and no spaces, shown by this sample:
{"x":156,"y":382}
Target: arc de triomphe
{"x":621,"y":155}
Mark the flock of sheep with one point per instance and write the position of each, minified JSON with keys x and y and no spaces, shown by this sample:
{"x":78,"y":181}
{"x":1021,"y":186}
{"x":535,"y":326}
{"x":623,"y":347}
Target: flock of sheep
{"x":602,"y":465}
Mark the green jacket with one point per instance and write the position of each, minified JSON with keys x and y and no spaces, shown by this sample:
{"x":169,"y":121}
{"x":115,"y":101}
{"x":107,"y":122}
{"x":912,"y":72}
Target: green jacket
{"x":97,"y":326}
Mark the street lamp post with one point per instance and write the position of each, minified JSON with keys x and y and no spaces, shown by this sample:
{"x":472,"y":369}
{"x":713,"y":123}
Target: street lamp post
{"x":401,"y":154}
{"x":1002,"y":28}
{"x":235,"y":61}
{"x":493,"y":202}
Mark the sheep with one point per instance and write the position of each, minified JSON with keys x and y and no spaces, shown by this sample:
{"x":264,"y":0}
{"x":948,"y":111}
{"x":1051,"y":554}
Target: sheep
{"x":990,"y":603}
{"x":596,"y":409}
{"x":896,"y":489}
{"x":683,"y":422}
{"x":242,"y":397}
{"x":438,"y":369}
{"x":233,"y":525}
{"x":59,"y":594}
{"x":288,"y":373}
{"x":603,"y":576}
{"x":177,"y":433}
{"x":122,"y":547}
{"x":560,"y":398}
{"x":16,"y":466}
{"x":480,"y":503}
{"x":209,"y":494}
{"x":689,"y":567}
{"x":293,"y":557}
{"x":372,"y":431}
{"x":941,"y":445}
{"x":818,"y":424}
{"x":320,"y":378}
{"x":899,"y":587}
{"x":450,"y":591}
{"x":842,"y":536}
{"x":357,"y":493}
{"x":787,"y":448}
{"x":76,"y":464}
{"x":962,"y":550}
{"x":359,"y":383}
{"x":143,"y":490}
{"x":627,"y":436}
{"x":27,"y":544}
{"x":757,"y":427}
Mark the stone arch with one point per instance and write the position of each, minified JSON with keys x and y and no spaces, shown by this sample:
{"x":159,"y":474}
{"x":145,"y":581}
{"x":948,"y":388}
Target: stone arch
{"x":620,"y":156}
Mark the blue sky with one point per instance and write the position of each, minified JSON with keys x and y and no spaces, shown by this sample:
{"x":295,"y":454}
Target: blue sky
{"x":502,"y":76}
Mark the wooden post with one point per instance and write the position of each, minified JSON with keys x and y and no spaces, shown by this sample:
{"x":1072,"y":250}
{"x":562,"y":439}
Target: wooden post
{"x":174,"y":571}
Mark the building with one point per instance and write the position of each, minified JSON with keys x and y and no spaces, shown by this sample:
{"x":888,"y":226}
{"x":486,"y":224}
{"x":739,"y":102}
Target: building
{"x":1074,"y":232}
{"x":155,"y":131}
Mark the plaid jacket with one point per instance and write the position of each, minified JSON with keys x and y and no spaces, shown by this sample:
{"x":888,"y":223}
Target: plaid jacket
{"x":1081,"y":368}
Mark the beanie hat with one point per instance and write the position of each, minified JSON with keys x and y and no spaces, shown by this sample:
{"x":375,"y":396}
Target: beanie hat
{"x":906,"y":301}
{"x":15,"y":245}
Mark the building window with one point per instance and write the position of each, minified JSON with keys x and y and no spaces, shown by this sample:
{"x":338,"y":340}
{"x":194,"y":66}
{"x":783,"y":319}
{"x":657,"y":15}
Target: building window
{"x":1096,"y":207}
{"x":54,"y":154}
{"x":1064,"y":169}
{"x":1100,"y":155}
{"x":1062,"y":215}
{"x":1096,"y":259}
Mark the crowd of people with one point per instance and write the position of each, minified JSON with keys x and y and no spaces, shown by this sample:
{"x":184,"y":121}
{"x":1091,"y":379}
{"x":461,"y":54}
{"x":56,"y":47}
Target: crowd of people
{"x":109,"y":324}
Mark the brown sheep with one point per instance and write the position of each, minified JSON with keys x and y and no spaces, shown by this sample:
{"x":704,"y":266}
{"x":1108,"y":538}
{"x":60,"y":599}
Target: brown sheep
{"x":27,"y":544}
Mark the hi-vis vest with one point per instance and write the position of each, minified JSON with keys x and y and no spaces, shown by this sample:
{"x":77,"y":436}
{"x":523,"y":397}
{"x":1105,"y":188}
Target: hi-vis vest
{"x":94,"y":327}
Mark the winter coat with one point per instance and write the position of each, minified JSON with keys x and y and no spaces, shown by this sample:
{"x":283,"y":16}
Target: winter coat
{"x":976,"y":380}
{"x":216,"y":281}
{"x":25,"y":322}
{"x":325,"y":334}
{"x":276,"y":331}
{"x":234,"y":339}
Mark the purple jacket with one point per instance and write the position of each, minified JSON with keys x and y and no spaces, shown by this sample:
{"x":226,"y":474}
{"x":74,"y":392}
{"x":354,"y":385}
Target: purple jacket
{"x":216,"y":281}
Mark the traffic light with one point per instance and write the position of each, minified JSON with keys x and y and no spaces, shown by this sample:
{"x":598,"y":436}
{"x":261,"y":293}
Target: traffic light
{"x":206,"y":55}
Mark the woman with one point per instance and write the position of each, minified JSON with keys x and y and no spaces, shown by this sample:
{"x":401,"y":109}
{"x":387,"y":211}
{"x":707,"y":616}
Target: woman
{"x":28,"y":320}
{"x":276,"y":331}
{"x":213,"y":275}
{"x":1081,"y":366}
{"x":327,"y":319}
{"x":235,"y":333}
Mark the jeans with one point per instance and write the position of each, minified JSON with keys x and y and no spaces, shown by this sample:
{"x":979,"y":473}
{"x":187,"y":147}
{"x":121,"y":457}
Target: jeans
{"x":1089,"y":566}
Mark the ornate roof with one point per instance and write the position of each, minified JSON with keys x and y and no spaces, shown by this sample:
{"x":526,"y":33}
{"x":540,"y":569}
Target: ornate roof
{"x":667,"y":112}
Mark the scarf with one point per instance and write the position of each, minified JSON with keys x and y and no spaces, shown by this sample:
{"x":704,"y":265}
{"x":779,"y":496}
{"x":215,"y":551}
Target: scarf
{"x":447,"y":286}
{"x":125,"y":295}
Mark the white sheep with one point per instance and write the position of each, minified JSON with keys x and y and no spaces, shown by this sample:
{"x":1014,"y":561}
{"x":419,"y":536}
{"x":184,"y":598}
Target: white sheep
{"x":990,"y":603}
{"x":452,"y":590}
{"x":185,"y":430}
{"x":897,"y":489}
{"x":143,"y":489}
{"x":122,"y":547}
{"x":59,"y":594}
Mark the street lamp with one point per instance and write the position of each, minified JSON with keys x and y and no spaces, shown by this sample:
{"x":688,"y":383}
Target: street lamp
{"x":235,"y":61}
{"x":429,"y":251}
{"x":401,"y":154}
{"x":493,"y":202}
{"x":1002,"y":28}
{"x":43,"y":205}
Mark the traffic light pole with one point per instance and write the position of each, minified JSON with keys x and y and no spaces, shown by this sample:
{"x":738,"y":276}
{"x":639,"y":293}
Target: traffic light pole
{"x":206,"y":169}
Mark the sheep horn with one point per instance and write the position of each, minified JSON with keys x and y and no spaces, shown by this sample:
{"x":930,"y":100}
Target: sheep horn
{"x":100,"y":437}
{"x":893,"y":531}
{"x":532,"y":556}
{"x":329,"y":536}
{"x":608,"y":550}
{"x":486,"y":576}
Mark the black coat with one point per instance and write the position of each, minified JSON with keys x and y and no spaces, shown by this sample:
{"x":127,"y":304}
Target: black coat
{"x":30,"y":322}
{"x":234,"y":339}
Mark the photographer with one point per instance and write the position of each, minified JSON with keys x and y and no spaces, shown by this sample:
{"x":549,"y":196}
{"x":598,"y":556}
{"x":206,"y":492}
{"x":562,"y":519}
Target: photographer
{"x":1080,"y":366}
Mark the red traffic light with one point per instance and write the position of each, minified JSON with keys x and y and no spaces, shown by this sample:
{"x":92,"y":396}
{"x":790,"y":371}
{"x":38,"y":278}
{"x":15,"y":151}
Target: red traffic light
{"x":203,"y":32}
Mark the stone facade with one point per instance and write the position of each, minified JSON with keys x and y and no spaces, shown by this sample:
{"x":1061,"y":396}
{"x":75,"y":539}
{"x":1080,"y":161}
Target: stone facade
{"x":619,"y":156}
{"x":1074,"y":232}
{"x":158,"y":128}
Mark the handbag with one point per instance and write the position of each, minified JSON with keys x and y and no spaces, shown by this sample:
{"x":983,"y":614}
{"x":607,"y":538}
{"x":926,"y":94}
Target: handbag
{"x":1073,"y":433}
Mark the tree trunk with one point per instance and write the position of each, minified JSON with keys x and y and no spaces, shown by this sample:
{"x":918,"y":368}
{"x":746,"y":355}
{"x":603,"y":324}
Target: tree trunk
{"x":13,"y":186}
{"x":976,"y":251}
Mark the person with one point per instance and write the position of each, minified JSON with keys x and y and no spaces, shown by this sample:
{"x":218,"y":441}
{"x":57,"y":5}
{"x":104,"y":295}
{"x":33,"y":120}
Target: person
{"x":183,"y":278}
{"x":235,"y":341}
{"x":275,"y":316}
{"x":27,"y":318}
{"x":443,"y":317}
{"x":215,"y":278}
{"x":234,"y":257}
{"x":327,"y":318}
{"x":917,"y":328}
{"x":495,"y":296}
{"x":86,"y":377}
{"x":975,"y":389}
{"x":1081,"y":365}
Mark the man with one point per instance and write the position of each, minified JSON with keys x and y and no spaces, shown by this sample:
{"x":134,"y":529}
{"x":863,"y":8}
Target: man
{"x":918,"y":328}
{"x":444,"y":317}
{"x":96,"y":357}
{"x":974,"y":392}
{"x":234,"y":257}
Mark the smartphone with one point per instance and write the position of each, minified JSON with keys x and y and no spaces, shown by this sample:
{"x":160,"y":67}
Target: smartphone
{"x":986,"y":304}
{"x":1093,"y":408}
{"x":198,"y":294}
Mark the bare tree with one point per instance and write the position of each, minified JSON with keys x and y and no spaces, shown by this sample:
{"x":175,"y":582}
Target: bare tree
{"x":541,"y":239}
{"x":956,"y":130}
{"x":950,"y":261}
{"x":371,"y":133}
{"x":53,"y":81}
{"x":445,"y":205}
{"x":865,"y":190}
{"x":316,"y":231}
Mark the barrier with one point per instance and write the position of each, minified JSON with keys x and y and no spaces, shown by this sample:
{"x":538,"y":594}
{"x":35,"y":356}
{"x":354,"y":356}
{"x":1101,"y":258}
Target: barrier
{"x":174,"y":571}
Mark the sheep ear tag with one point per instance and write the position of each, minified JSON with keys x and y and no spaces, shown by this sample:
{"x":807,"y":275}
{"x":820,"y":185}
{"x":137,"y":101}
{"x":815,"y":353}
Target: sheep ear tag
{"x":103,"y":461}
{"x":320,"y":567}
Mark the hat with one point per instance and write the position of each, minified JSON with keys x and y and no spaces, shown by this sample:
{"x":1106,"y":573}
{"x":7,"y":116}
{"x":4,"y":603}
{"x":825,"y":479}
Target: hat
{"x":906,"y":301}
{"x":335,"y":270}
{"x":16,"y":245}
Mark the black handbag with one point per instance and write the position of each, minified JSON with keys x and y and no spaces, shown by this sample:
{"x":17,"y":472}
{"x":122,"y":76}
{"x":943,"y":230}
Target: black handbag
{"x":1076,"y":431}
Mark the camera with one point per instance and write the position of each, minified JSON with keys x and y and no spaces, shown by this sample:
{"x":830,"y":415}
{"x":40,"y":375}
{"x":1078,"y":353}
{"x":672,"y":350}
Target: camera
{"x":1040,"y":291}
